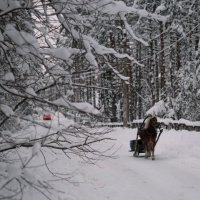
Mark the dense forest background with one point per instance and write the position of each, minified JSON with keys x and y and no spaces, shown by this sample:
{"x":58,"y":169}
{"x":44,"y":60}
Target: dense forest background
{"x":167,"y":71}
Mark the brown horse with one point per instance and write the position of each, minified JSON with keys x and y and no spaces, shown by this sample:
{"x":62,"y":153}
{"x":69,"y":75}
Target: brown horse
{"x":148,"y":136}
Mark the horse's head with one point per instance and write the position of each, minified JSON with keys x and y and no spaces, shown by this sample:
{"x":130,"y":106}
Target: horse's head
{"x":153,"y":122}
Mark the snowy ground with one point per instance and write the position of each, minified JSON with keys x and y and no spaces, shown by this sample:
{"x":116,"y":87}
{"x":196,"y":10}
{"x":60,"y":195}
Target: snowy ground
{"x":174,"y":175}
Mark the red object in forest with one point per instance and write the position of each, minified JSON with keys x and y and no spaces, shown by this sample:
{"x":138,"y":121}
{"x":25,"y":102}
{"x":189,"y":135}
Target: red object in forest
{"x":47,"y":117}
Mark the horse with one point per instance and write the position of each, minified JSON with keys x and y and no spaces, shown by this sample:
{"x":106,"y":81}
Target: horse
{"x":148,"y":135}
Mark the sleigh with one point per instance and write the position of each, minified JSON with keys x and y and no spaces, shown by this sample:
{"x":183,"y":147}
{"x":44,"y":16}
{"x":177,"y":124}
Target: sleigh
{"x":146,"y":135}
{"x":137,"y":147}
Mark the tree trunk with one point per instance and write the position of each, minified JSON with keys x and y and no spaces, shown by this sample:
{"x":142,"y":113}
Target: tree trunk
{"x":162,"y":57}
{"x":131,"y":95}
{"x":125,"y":99}
{"x":157,"y":74}
{"x":138,"y":79}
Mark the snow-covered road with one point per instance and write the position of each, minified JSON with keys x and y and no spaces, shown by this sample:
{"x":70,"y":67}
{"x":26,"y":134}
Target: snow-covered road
{"x":174,"y":175}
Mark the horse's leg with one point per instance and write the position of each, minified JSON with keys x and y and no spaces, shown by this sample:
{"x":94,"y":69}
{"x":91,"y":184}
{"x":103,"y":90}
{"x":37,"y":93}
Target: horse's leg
{"x":153,"y":157}
{"x":146,"y":154}
{"x":150,"y":148}
{"x":149,"y":152}
{"x":153,"y":149}
{"x":146,"y":150}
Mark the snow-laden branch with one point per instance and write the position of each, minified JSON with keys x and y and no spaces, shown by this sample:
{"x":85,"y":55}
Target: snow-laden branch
{"x":91,"y":44}
{"x":114,"y":7}
{"x":122,"y":77}
{"x":130,"y":31}
{"x":52,"y":144}
{"x":61,"y":53}
{"x":102,"y":50}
